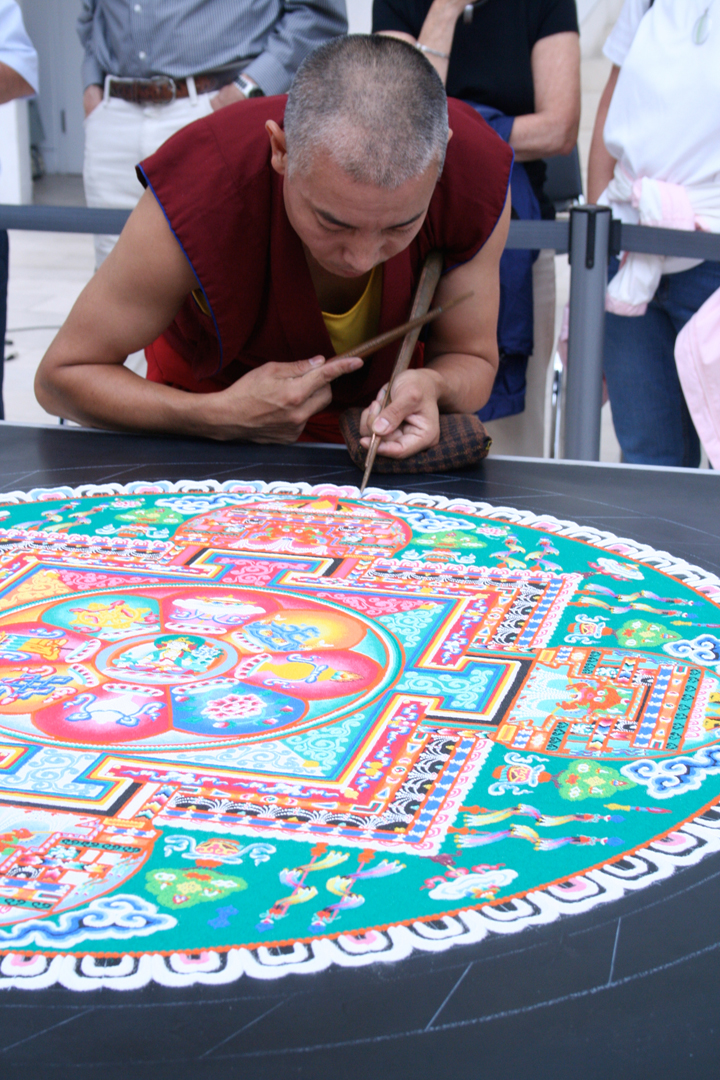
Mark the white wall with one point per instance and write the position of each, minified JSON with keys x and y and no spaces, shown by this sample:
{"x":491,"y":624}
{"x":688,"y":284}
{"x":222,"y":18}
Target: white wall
{"x":596,"y":18}
{"x":51,"y":25}
{"x":15,"y":180}
{"x":359,"y":16}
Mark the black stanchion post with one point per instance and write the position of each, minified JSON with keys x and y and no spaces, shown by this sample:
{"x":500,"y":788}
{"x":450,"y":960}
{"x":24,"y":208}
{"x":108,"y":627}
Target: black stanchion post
{"x":589,"y":244}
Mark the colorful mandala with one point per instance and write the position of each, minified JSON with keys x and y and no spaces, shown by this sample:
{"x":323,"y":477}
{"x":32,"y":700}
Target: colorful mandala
{"x":254,"y":729}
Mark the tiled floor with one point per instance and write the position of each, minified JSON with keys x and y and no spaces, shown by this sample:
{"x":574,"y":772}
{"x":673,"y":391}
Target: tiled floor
{"x":48,"y":271}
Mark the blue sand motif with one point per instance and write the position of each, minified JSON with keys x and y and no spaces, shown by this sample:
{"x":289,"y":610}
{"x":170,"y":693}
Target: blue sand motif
{"x":326,"y":745}
{"x":467,"y":691}
{"x":223,"y":917}
{"x":117,"y":917}
{"x":409,"y":625}
{"x":704,"y":649}
{"x":200,"y":504}
{"x":427,"y":521}
{"x":674,"y":776}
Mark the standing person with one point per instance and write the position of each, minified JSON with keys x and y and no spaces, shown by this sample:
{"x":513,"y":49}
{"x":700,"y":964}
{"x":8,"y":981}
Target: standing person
{"x":655,"y":159}
{"x":18,"y":78}
{"x":154,"y":66}
{"x":518,"y":63}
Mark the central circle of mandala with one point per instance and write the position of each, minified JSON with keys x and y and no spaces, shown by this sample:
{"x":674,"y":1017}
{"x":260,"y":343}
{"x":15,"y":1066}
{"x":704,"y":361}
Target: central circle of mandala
{"x":179,"y":666}
{"x":168,"y":658}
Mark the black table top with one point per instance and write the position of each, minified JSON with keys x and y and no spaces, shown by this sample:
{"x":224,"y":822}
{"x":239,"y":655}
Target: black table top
{"x":626,"y":990}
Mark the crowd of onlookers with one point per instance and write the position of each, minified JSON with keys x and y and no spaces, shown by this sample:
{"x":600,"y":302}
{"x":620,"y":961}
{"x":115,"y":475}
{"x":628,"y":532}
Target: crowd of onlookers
{"x":152,"y":67}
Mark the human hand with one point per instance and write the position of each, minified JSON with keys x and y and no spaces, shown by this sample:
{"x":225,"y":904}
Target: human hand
{"x":272,"y":403}
{"x":227,"y":96}
{"x":91,"y":98}
{"x":411,"y":422}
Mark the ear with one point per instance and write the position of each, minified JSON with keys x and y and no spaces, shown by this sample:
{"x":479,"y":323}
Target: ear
{"x":450,"y":134}
{"x":278,"y":147}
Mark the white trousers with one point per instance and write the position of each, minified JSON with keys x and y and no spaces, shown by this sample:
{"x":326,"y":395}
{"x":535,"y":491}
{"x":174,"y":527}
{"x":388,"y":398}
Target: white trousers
{"x":527,"y":433}
{"x":118,"y":135}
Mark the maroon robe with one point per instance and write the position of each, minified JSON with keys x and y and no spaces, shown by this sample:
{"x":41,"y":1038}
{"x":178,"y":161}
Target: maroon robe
{"x":224,"y":203}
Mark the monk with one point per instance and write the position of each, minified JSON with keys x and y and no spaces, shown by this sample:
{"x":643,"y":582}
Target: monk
{"x":278,"y":233}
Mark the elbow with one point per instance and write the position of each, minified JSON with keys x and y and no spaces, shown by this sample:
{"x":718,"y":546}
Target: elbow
{"x":565,"y":135}
{"x":45,"y":391}
{"x":567,"y":146}
{"x":567,"y":140}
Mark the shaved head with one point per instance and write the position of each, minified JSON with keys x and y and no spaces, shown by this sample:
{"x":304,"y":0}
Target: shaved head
{"x":374,"y":104}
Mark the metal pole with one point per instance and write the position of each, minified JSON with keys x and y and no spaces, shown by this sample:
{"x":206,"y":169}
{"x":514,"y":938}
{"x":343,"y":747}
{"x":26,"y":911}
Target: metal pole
{"x":589,"y":244}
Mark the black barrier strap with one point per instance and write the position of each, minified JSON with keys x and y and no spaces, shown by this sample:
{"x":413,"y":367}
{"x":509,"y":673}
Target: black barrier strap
{"x":532,"y":235}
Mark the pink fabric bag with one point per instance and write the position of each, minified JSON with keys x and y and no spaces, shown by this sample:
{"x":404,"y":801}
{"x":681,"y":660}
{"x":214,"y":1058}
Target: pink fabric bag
{"x":697,"y":356}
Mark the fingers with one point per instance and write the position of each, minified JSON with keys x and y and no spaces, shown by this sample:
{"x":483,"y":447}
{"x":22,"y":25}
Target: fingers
{"x":329,"y":370}
{"x":316,"y":403}
{"x":369,"y":415}
{"x":406,"y":402}
{"x":298,"y":368}
{"x":320,"y":369}
{"x":408,"y":424}
{"x":404,"y":443}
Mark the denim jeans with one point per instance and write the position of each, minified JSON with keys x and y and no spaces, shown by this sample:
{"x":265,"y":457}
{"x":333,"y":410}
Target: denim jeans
{"x":651,"y":419}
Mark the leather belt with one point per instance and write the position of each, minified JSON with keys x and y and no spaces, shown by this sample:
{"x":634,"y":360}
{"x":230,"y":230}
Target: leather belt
{"x":163,"y":90}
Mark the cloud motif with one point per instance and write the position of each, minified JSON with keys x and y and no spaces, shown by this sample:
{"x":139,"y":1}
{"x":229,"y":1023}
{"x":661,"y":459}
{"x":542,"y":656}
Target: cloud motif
{"x":223,"y":609}
{"x":427,"y":521}
{"x":703,"y":649}
{"x":674,"y":776}
{"x":472,"y":884}
{"x":117,"y":917}
{"x":200,"y":504}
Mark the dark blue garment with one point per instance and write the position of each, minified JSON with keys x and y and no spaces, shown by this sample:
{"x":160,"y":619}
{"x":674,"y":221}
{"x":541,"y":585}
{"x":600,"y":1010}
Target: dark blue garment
{"x":651,"y":419}
{"x":3,"y":308}
{"x":515,"y":319}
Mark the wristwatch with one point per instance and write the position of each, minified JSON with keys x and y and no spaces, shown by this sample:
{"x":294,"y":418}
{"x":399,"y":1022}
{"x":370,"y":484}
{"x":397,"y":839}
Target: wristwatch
{"x":249,"y":88}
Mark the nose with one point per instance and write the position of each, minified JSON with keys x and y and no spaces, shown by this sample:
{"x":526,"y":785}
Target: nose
{"x":361,"y":256}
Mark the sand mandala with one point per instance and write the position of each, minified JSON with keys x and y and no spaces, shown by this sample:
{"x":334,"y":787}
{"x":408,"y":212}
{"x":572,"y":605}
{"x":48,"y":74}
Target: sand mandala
{"x":252,"y":729}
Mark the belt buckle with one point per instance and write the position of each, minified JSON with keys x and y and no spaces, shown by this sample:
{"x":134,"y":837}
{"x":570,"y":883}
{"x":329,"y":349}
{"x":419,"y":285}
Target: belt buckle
{"x":165,"y":81}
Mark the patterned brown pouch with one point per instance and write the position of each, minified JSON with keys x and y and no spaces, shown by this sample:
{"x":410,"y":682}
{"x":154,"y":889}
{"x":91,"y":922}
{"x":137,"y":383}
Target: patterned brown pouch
{"x":463,"y":441}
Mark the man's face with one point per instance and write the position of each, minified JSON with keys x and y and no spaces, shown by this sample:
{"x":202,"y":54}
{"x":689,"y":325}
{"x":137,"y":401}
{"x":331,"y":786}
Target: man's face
{"x":350,"y":227}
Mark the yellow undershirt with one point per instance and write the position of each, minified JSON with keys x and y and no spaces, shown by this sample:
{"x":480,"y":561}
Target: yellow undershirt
{"x":352,"y":327}
{"x":361,"y":321}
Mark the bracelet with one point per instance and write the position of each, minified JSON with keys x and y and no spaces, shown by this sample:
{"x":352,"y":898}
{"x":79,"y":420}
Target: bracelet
{"x":432,"y":52}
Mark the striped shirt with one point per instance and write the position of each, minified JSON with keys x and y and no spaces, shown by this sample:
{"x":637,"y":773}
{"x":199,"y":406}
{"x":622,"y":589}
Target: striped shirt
{"x":268,"y":39}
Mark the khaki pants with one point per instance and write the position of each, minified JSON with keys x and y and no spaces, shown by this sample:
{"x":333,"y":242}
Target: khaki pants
{"x":526,"y":433}
{"x":118,"y":135}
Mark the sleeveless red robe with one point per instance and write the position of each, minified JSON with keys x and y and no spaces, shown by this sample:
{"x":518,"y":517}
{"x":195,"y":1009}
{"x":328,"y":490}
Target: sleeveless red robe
{"x":224,"y":204}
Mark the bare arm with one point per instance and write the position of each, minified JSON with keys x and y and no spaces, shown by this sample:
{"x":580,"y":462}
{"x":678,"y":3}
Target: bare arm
{"x":462,"y":347}
{"x":12,"y":84}
{"x":461,"y":357}
{"x":601,"y":163}
{"x":132,"y":298}
{"x":436,"y":33}
{"x":553,"y":127}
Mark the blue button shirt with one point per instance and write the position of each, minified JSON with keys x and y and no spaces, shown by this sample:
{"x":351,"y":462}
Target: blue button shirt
{"x":269,"y":39}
